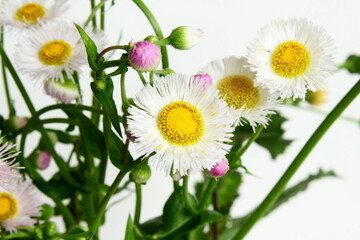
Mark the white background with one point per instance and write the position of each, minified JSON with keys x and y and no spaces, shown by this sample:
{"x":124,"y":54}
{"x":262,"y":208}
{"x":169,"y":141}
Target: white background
{"x":330,"y":208}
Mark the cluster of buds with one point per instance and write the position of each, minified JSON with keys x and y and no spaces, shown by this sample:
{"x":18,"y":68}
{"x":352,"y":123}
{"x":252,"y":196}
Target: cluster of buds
{"x":145,"y":56}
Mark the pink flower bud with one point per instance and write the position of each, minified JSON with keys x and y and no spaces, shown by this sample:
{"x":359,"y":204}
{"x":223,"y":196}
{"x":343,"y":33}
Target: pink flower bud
{"x":144,"y":56}
{"x":205,"y":78}
{"x":43,"y":160}
{"x":219,"y":169}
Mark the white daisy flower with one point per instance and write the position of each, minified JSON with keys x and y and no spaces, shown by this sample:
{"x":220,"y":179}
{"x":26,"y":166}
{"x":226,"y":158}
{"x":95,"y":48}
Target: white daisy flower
{"x":291,"y":57}
{"x":18,"y":204}
{"x":50,"y":50}
{"x":7,"y":167}
{"x":25,"y":13}
{"x":183,"y":124}
{"x":235,"y":81}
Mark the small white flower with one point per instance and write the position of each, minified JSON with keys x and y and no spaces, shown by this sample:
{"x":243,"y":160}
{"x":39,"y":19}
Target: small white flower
{"x":7,"y":167}
{"x":50,"y":50}
{"x":291,"y":56}
{"x":18,"y":204}
{"x":183,"y":124}
{"x":64,"y":92}
{"x":25,"y":13}
{"x":235,"y":82}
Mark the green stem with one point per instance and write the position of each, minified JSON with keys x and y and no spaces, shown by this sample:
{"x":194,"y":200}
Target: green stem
{"x":323,"y":112}
{"x":205,"y":199}
{"x":108,"y":49}
{"x":105,"y":201}
{"x":102,"y":17}
{"x":6,"y":85}
{"x":253,"y":137}
{"x":142,"y":78}
{"x":187,"y":200}
{"x":138,"y":204}
{"x":155,"y":25}
{"x":123,"y":90}
{"x":17,"y":80}
{"x":65,"y":213}
{"x":299,"y":159}
{"x":46,"y":139}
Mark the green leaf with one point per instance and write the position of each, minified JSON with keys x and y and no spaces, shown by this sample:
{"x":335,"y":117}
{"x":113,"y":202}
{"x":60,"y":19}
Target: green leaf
{"x":227,"y":190}
{"x":175,"y":213}
{"x":352,"y":64}
{"x":152,"y":226}
{"x":104,"y":95}
{"x":271,"y":138}
{"x":56,"y":188}
{"x":115,"y":147}
{"x":289,"y":193}
{"x":300,"y":187}
{"x":92,"y":139}
{"x":129,"y":232}
{"x":91,"y":48}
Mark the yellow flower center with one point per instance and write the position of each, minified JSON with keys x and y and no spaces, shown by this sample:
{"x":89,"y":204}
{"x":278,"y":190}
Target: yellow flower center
{"x":238,"y":90}
{"x":8,"y":206}
{"x":290,"y":59}
{"x":30,"y":13}
{"x":55,"y":52}
{"x":181,"y":123}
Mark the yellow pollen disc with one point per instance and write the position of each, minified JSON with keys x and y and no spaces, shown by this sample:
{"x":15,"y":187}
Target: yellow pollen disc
{"x":237,"y":90}
{"x":8,"y":206}
{"x":181,"y":123}
{"x":55,"y":52}
{"x":30,"y":13}
{"x":290,"y":59}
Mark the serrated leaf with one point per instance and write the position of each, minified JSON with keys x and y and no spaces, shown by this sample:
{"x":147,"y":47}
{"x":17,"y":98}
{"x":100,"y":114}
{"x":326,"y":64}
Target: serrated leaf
{"x":105,"y":97}
{"x":287,"y":194}
{"x":91,"y":48}
{"x":299,"y":187}
{"x":352,"y":64}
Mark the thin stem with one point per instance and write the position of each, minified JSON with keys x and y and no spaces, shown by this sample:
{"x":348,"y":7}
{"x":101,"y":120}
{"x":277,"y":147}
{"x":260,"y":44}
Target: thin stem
{"x":214,"y":225}
{"x":142,"y":78}
{"x":102,"y":17}
{"x":138,"y":204}
{"x":299,"y":159}
{"x":151,"y":78}
{"x":187,"y":200}
{"x":205,"y":199}
{"x":92,"y":16}
{"x":6,"y":85}
{"x":253,"y":137}
{"x":155,"y":25}
{"x":108,"y":49}
{"x":10,"y":67}
{"x":66,"y":214}
{"x":123,"y":90}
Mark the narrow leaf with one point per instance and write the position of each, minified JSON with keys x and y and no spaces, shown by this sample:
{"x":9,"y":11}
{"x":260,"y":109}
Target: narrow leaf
{"x":91,"y":48}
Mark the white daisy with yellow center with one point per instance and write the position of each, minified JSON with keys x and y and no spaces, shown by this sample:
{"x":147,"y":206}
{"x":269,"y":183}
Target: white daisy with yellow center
{"x":18,"y":205}
{"x":183,"y":124}
{"x":50,"y":50}
{"x":235,"y":82}
{"x":291,"y":56}
{"x":25,"y":13}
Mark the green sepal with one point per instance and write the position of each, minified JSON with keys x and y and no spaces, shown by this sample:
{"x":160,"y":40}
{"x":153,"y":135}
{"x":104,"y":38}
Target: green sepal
{"x":129,"y":231}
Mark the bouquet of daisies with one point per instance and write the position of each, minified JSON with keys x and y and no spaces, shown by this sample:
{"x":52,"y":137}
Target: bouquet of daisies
{"x":181,"y":124}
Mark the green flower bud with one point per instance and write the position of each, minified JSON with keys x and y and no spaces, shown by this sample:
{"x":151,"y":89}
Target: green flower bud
{"x":185,"y":37}
{"x":50,"y":229}
{"x":141,"y":173}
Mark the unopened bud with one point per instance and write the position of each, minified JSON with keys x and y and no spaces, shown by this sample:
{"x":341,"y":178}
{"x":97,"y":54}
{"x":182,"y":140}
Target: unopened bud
{"x":62,"y":91}
{"x":185,"y":37}
{"x":43,"y":159}
{"x":144,"y":56}
{"x":219,"y":169}
{"x":141,"y":173}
